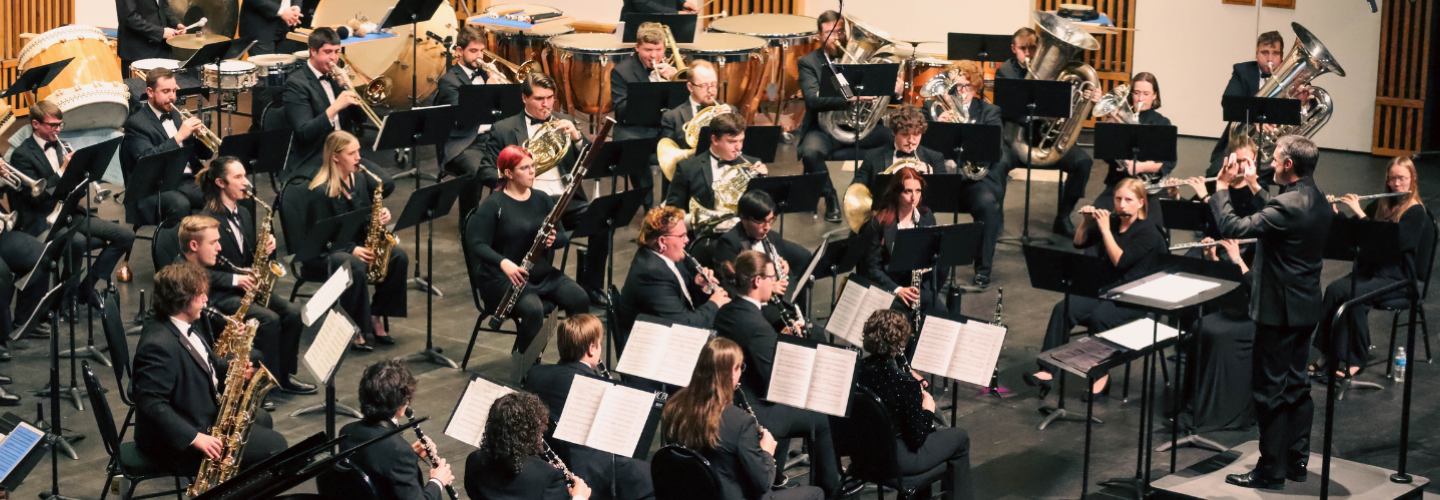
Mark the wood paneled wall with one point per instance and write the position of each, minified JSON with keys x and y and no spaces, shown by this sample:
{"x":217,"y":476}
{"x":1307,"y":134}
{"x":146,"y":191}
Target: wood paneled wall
{"x":1405,"y":43}
{"x":1113,"y":63}
{"x":742,"y":7}
{"x":26,"y":16}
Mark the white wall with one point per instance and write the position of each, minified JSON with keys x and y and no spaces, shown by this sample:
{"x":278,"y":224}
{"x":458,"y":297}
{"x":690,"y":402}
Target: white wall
{"x":98,"y":13}
{"x":933,"y":19}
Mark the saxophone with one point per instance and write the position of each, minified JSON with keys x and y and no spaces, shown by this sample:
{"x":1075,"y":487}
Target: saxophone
{"x":378,"y":239}
{"x":238,"y":404}
{"x":263,"y":271}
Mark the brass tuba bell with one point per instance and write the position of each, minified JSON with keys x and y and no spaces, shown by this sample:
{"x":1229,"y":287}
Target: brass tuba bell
{"x":1308,"y":59}
{"x":1059,"y":45}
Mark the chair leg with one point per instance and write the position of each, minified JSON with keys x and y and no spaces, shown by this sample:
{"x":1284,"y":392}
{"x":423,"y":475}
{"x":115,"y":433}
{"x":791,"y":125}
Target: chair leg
{"x":1164,"y":368}
{"x":474,"y":334}
{"x":179,"y":491}
{"x":1425,"y":334}
{"x":295,"y":290}
{"x":109,"y":478}
{"x":1125,"y":386}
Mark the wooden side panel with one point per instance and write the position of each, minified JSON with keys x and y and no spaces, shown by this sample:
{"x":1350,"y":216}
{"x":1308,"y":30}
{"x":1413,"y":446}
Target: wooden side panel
{"x":1405,"y":44}
{"x":26,"y":16}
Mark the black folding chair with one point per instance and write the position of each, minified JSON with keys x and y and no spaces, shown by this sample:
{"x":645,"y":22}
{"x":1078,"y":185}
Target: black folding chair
{"x":682,"y":474}
{"x":125,"y":458}
{"x":114,"y":328}
{"x":867,"y":436}
{"x":345,"y":481}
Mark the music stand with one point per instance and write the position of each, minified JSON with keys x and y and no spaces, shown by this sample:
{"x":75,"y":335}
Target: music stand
{"x":978,"y":48}
{"x":859,"y":80}
{"x":49,"y":308}
{"x":487,"y":104}
{"x":1187,"y":215}
{"x":601,"y":218}
{"x":1068,"y":273}
{"x":290,"y":468}
{"x":1251,"y":110}
{"x":263,"y":152}
{"x":426,"y":205}
{"x":156,"y":174}
{"x":1030,"y":99}
{"x":407,"y":130}
{"x":936,"y":247}
{"x":682,"y":26}
{"x":322,"y":236}
{"x":34,"y":78}
{"x":1124,"y":141}
{"x":413,"y":12}
{"x":331,"y":407}
{"x":791,"y":193}
{"x":627,"y":158}
{"x":648,"y":100}
{"x":760,"y":142}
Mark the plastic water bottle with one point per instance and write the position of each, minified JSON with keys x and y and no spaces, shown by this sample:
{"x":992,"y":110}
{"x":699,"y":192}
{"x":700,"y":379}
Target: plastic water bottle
{"x":1400,"y":364}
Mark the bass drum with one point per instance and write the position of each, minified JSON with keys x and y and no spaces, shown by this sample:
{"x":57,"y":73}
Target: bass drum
{"x":790,"y":37}
{"x":739,"y":65}
{"x":581,"y":64}
{"x":90,"y":91}
{"x":389,"y":60}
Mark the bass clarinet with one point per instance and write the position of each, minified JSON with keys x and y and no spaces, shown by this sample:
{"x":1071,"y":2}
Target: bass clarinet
{"x":430,"y":453}
{"x":539,"y":248}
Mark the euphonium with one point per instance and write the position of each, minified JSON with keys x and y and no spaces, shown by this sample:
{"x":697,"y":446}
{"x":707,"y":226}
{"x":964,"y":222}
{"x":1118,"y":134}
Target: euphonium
{"x":858,"y":199}
{"x":939,"y":91}
{"x":1308,"y":59}
{"x":238,"y":405}
{"x":729,"y":187}
{"x":375,"y":91}
{"x":203,"y":134}
{"x":862,"y":45}
{"x":1059,"y":44}
{"x":1117,"y":102}
{"x":548,"y":145}
{"x":377,"y":238}
{"x":670,"y":154}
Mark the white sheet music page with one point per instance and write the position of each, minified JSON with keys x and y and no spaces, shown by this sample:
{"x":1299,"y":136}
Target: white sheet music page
{"x":645,"y":350}
{"x":1138,"y":334}
{"x":936,"y":346}
{"x":468,"y":423}
{"x":677,"y":363}
{"x":790,"y":375}
{"x":1172,"y":288}
{"x":325,"y":296}
{"x":580,"y":406}
{"x":977,"y":349}
{"x":830,"y":386}
{"x":875,"y":299}
{"x":844,"y":313}
{"x":620,"y":420}
{"x":330,"y":343}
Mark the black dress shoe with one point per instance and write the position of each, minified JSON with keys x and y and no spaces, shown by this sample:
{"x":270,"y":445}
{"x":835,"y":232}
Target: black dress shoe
{"x":384,"y":340}
{"x":1252,"y":480}
{"x":981,"y":281}
{"x":1296,"y":471}
{"x":597,"y":298}
{"x":361,"y":347}
{"x":832,"y":208}
{"x":293,"y":386}
{"x":1033,"y":381}
{"x":4,"y":353}
{"x":1063,"y":226}
{"x":268,"y":406}
{"x":7,"y":399}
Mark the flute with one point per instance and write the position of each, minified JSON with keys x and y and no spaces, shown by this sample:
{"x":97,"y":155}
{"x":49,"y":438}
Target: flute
{"x":1172,"y":182}
{"x":430,"y":453}
{"x":1333,"y":199}
{"x":1197,"y":244}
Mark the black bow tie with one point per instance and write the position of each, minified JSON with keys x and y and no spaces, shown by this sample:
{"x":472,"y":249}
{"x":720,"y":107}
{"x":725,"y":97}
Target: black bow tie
{"x":902,"y":154}
{"x":536,"y":121}
{"x":730,"y":163}
{"x":55,"y":145}
{"x":233,"y":216}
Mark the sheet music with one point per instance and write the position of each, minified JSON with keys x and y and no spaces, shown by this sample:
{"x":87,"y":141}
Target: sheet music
{"x":678,"y":361}
{"x":875,"y":299}
{"x":844,"y":312}
{"x":468,"y":423}
{"x":936,"y":346}
{"x":977,"y":349}
{"x":830,"y":386}
{"x":1136,"y":335}
{"x":330,"y":343}
{"x":790,"y":374}
{"x":1172,"y":288}
{"x":580,"y":406}
{"x":620,"y":420}
{"x":645,"y":350}
{"x":15,"y":446}
{"x":326,"y":296}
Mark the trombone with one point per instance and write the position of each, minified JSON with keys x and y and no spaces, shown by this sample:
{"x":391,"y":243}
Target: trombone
{"x":513,"y":73}
{"x":342,"y":77}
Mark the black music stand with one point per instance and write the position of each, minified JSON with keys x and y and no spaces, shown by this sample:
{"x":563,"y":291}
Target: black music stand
{"x":481,"y":105}
{"x":1250,"y":110}
{"x":682,"y":26}
{"x":296,"y":465}
{"x":263,"y":152}
{"x":1068,"y":273}
{"x":406,"y":131}
{"x":1027,"y":100}
{"x":425,"y":205}
{"x":760,"y":142}
{"x":50,"y":308}
{"x":1348,"y":238}
{"x":1187,"y":215}
{"x":623,"y":159}
{"x":791,"y":193}
{"x":156,"y":174}
{"x":413,"y":12}
{"x":978,"y":48}
{"x":601,"y":218}
{"x":964,"y":142}
{"x":322,"y":236}
{"x":331,"y":407}
{"x":1124,"y":141}
{"x":648,"y":100}
{"x":859,"y":80}
{"x":34,"y":78}
{"x":936,"y":247}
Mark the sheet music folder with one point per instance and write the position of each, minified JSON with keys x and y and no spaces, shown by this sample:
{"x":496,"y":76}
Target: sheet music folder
{"x":958,"y":348}
{"x":333,"y":334}
{"x":663,"y":351}
{"x":610,"y":416}
{"x":812,"y":375}
{"x":472,"y":409}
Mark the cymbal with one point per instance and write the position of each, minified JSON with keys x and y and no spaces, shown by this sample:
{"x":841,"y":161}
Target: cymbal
{"x":917,"y":42}
{"x":194,"y":42}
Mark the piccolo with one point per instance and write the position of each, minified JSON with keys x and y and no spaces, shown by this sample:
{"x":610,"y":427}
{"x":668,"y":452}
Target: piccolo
{"x":1198,"y":244}
{"x":1335,"y":199}
{"x":1171,"y":182}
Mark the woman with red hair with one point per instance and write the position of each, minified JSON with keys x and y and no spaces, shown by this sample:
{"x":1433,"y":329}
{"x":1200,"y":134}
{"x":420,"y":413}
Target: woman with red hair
{"x":900,"y":209}
{"x":500,"y":234}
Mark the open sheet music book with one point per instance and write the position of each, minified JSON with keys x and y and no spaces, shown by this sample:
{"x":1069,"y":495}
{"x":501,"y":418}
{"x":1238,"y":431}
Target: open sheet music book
{"x":857,"y":301}
{"x":333,"y":337}
{"x":958,"y":348}
{"x":661,"y":351}
{"x":813,"y":376}
{"x":326,"y":295}
{"x":467,"y":422}
{"x":605,"y":415}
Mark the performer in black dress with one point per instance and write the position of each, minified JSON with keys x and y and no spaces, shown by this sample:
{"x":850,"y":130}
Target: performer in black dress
{"x":1144,"y":100}
{"x":1128,"y":241}
{"x":662,"y":282}
{"x":509,"y":464}
{"x":386,"y":390}
{"x":1416,"y":238}
{"x":1222,"y":398}
{"x":900,"y":209}
{"x":341,"y":187}
{"x":739,"y":449}
{"x":501,"y":232}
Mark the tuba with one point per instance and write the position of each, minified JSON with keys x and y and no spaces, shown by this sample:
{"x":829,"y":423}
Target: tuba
{"x":1059,"y":44}
{"x":938,"y":91}
{"x":858,"y":199}
{"x":548,"y":146}
{"x":238,"y":405}
{"x":377,"y":238}
{"x":862,"y":45}
{"x":729,"y":187}
{"x":671,"y":154}
{"x":1308,"y":59}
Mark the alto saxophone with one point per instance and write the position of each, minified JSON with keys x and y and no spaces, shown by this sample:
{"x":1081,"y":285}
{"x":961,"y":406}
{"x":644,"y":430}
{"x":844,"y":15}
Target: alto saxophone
{"x":238,"y":405}
{"x":378,"y":239}
{"x":263,"y":271}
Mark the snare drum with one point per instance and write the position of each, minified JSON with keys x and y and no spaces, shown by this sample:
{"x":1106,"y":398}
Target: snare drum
{"x":90,"y":91}
{"x":739,"y":65}
{"x":922,"y":69}
{"x":271,"y":68}
{"x":142,"y":68}
{"x":580,"y":64}
{"x":790,"y":37}
{"x":230,"y":75}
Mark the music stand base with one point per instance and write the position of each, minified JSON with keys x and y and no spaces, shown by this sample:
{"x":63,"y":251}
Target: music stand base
{"x":90,"y":352}
{"x":1135,"y":484}
{"x":433,"y":355}
{"x":421,"y":284}
{"x":1355,"y":384}
{"x":340,"y":409}
{"x":1401,"y":478}
{"x":72,"y":394}
{"x":45,"y":495}
{"x":415,"y":173}
{"x":1058,"y":414}
{"x":1194,"y":440}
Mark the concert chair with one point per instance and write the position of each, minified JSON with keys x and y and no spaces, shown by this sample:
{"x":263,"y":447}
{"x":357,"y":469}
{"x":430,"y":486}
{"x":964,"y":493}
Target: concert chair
{"x":682,"y":474}
{"x":345,"y":482}
{"x":291,"y":205}
{"x":125,"y":458}
{"x":471,"y":263}
{"x":868,"y":437}
{"x":1399,"y":305}
{"x":165,"y":245}
{"x":114,"y":328}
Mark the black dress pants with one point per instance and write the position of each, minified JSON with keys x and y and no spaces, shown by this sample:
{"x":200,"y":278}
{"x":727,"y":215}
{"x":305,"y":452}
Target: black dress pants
{"x":985,"y":200}
{"x":389,"y":299}
{"x":1097,"y":315}
{"x":817,"y":146}
{"x":19,"y":252}
{"x":1353,"y":334}
{"x":278,"y":337}
{"x":1281,"y":388}
{"x":263,"y":443}
{"x":113,"y":240}
{"x":786,"y":422}
{"x":554,"y":287}
{"x":950,"y":446}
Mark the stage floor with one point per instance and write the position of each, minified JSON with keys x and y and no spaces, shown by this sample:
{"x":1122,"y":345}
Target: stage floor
{"x":1347,"y":480}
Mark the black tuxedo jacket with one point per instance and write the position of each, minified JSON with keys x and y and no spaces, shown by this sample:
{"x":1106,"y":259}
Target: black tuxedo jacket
{"x":1244,"y":81}
{"x":391,"y":463}
{"x":1292,"y":229}
{"x":744,"y":468}
{"x":319,"y":206}
{"x":145,"y":135}
{"x":650,"y":288}
{"x":305,"y":103}
{"x":260,"y":19}
{"x":551,"y":383}
{"x":537,"y":481}
{"x":672,"y":123}
{"x":622,"y":75}
{"x":693,"y":179}
{"x":1011,"y":69}
{"x":744,"y":323}
{"x":878,"y":159}
{"x":31,"y":211}
{"x":812,"y":76}
{"x":513,"y":131}
{"x":879,"y":243}
{"x":730,"y":244}
{"x":142,"y":28}
{"x":174,"y":395}
{"x":448,"y":93}
{"x":650,"y":7}
{"x":231,"y":251}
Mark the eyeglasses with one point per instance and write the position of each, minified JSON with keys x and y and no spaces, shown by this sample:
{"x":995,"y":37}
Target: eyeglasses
{"x":707,"y":86}
{"x":676,"y":235}
{"x":53,"y":124}
{"x":764,"y":222}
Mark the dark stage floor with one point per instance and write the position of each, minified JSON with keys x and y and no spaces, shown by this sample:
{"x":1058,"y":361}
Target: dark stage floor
{"x":1011,"y":458}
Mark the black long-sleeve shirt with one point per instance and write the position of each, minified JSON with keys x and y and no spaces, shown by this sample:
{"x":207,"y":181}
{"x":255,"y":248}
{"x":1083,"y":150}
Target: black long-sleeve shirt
{"x":1415,"y":246}
{"x":1139,"y":245}
{"x":504,"y":228}
{"x":902,"y":396}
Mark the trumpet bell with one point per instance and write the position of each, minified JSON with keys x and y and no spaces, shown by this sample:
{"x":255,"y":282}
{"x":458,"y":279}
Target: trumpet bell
{"x":670,"y":155}
{"x":857,"y":206}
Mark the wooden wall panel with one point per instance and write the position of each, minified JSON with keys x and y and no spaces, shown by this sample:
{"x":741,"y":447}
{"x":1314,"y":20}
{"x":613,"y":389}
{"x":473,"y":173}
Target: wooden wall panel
{"x":26,"y":16}
{"x":742,"y":7}
{"x":1113,"y":62}
{"x":1405,"y":43}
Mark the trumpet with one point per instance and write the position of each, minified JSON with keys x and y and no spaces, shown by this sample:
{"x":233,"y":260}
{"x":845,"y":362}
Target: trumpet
{"x":1198,"y":244}
{"x":15,"y":178}
{"x":203,"y":134}
{"x":342,"y":77}
{"x":1333,"y":199}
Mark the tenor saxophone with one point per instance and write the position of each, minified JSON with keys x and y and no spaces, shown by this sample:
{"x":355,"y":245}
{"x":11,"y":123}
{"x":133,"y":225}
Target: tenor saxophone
{"x":238,"y":405}
{"x":378,"y":239}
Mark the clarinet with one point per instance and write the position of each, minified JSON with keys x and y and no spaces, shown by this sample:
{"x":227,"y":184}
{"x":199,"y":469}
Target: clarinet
{"x":744,"y":404}
{"x":430,"y":453}
{"x":710,"y":284}
{"x":554,"y":460}
{"x":787,"y":312}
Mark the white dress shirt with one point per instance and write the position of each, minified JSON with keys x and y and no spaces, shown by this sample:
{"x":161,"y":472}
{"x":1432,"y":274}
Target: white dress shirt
{"x":198,"y":344}
{"x":678,"y":277}
{"x":329,"y":92}
{"x":54,"y":157}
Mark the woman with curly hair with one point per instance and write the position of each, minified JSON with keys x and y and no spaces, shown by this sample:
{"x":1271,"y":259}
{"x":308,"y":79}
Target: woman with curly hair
{"x":508,"y":463}
{"x":919,"y":446}
{"x":386,"y":390}
{"x":704,"y":417}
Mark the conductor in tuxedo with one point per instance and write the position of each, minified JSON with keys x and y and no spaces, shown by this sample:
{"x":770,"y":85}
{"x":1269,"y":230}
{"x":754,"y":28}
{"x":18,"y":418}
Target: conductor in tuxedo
{"x":579,"y":339}
{"x":145,"y":25}
{"x":509,"y":464}
{"x":465,"y":147}
{"x":386,"y":390}
{"x":178,"y":378}
{"x":662,"y":282}
{"x":1246,"y":78}
{"x":267,"y":21}
{"x":317,"y":105}
{"x":697,"y":176}
{"x":648,"y":65}
{"x":155,"y":128}
{"x":1285,"y":304}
